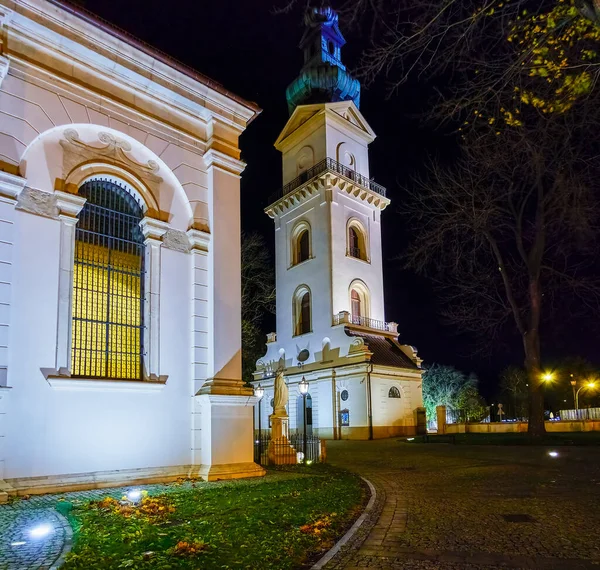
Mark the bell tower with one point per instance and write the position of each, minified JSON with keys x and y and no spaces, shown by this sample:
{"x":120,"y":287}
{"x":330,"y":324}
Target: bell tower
{"x":327,"y":218}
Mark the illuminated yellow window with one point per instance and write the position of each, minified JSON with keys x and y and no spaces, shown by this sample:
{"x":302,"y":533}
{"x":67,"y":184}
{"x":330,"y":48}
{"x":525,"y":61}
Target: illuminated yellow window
{"x":108,"y":284}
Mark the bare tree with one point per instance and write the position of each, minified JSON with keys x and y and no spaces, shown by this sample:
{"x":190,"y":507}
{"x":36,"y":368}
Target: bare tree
{"x":258,"y":298}
{"x":510,"y":232}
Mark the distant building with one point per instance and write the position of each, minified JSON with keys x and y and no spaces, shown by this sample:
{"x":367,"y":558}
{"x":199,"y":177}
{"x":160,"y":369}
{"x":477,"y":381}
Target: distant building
{"x":119,"y":260}
{"x":331,"y":324}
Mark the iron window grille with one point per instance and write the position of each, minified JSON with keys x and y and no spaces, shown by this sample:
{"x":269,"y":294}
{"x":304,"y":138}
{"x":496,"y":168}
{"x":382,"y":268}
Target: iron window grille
{"x":108,"y":284}
{"x":394,"y":392}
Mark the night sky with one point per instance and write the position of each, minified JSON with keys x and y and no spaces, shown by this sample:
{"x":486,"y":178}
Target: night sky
{"x":253,"y":52}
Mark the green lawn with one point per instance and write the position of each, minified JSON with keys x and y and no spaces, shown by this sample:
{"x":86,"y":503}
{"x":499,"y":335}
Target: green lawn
{"x":285,"y":520}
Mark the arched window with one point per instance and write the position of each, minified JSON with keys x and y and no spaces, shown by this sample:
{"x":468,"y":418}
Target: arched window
{"x":360,"y":307}
{"x":302,"y":311}
{"x":356,"y":306}
{"x":108,"y":284}
{"x":303,"y":246}
{"x":357,"y":242}
{"x":301,"y":243}
{"x":394,"y":392}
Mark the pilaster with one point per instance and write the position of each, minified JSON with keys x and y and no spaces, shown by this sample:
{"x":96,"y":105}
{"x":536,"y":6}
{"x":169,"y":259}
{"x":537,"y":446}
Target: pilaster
{"x":69,"y":206}
{"x":153,"y":231}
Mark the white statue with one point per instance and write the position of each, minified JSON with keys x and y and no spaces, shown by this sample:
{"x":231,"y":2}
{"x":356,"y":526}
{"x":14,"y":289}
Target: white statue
{"x":281,"y":394}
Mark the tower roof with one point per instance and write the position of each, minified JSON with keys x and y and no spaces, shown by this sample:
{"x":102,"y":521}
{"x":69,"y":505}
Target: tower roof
{"x":323,"y":78}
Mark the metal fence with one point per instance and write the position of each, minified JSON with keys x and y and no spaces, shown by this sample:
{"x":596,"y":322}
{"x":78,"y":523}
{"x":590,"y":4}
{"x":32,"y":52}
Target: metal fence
{"x":268,"y":451}
{"x":469,"y":416}
{"x":583,"y":414}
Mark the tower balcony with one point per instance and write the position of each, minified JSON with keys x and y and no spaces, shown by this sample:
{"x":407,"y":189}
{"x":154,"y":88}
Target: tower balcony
{"x":364,"y":323}
{"x":326,"y":166}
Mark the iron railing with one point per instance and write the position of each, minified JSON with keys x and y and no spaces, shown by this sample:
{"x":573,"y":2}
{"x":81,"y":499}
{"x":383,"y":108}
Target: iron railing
{"x":108,"y":284}
{"x":581,"y":414}
{"x":366,"y":322}
{"x":272,"y":452}
{"x":328,"y":165}
{"x":475,"y":415}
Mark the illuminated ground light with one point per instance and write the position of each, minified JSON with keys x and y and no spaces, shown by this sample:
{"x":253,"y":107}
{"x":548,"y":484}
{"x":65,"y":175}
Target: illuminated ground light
{"x":134,"y":495}
{"x":410,"y":439}
{"x":553,"y":453}
{"x":19,"y":543}
{"x":40,"y":531}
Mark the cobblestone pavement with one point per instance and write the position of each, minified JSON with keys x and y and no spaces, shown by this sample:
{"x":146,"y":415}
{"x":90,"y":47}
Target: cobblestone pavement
{"x":474,"y":507}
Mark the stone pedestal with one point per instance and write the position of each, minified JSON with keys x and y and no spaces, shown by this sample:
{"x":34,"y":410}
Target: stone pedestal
{"x":281,"y":451}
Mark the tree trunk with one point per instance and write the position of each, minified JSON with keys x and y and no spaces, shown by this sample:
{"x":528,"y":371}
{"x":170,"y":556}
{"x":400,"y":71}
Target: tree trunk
{"x":536,"y":427}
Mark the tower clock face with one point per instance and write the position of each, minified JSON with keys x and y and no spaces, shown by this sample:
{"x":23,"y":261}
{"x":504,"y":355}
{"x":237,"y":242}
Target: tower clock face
{"x":344,"y":395}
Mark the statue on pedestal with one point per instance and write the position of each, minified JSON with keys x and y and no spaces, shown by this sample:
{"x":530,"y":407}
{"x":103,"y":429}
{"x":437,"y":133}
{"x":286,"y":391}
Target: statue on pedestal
{"x":280,"y":450}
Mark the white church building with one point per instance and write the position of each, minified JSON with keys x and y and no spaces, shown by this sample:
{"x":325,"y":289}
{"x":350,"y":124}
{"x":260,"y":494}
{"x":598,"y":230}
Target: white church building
{"x":331,"y":327}
{"x":120,"y":328}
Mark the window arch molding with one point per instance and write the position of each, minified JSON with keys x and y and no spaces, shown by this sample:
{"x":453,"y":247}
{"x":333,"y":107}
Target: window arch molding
{"x":359,"y":299}
{"x":302,"y":311}
{"x":357,"y":243}
{"x":394,"y":392}
{"x":301,"y":243}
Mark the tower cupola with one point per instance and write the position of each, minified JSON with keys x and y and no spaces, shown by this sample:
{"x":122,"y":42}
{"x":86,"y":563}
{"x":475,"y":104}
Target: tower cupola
{"x":323,"y":78}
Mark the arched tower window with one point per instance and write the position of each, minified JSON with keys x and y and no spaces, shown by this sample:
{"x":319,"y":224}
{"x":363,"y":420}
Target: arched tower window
{"x":357,"y":241}
{"x":356,"y":305}
{"x":108,"y":284}
{"x":360,"y":306}
{"x":302,"y":311}
{"x":394,"y":392}
{"x":301,"y":243}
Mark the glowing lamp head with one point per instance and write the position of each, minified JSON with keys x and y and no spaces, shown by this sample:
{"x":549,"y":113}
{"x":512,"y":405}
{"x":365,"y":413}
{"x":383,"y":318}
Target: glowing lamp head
{"x":40,"y":531}
{"x":259,"y":391}
{"x":547,"y":377}
{"x":591,"y":384}
{"x":303,"y":386}
{"x":134,"y":495}
{"x":553,"y":453}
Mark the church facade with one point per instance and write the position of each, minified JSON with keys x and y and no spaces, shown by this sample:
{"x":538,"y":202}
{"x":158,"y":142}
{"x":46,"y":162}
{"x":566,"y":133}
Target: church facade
{"x":120,"y":327}
{"x":331,"y":327}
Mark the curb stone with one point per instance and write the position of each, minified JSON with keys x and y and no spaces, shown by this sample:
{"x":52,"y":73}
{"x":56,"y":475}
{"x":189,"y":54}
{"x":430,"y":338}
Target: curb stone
{"x":337,"y":550}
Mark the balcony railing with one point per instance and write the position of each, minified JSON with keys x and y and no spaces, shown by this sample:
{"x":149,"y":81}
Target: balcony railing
{"x":328,"y":165}
{"x":345,"y":318}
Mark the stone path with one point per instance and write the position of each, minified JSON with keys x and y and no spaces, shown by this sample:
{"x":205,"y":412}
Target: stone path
{"x":406,"y":530}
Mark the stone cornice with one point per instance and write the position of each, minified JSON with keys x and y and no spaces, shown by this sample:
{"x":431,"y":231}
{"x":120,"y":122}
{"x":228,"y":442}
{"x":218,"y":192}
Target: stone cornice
{"x":199,"y":239}
{"x":153,"y":229}
{"x":69,"y":204}
{"x":10,"y":185}
{"x":43,"y":31}
{"x":218,"y":159}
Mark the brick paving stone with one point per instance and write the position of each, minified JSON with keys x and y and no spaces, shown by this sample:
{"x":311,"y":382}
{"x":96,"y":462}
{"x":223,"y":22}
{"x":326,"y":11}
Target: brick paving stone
{"x":440,"y":507}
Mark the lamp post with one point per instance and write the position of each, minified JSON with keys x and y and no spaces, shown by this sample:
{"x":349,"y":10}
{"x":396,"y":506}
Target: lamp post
{"x":589,"y":385}
{"x":573,"y":386}
{"x":259,"y":392}
{"x":303,"y":386}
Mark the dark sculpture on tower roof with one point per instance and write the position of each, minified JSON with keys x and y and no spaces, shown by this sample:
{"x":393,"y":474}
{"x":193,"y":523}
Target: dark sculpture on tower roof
{"x":323,"y":78}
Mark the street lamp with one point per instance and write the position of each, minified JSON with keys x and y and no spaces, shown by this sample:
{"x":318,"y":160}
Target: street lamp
{"x":573,"y":386}
{"x":547,"y":376}
{"x":589,"y":385}
{"x":259,"y":392}
{"x":303,"y":386}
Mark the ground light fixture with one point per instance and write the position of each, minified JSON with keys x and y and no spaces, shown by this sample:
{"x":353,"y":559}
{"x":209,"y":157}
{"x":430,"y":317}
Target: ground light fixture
{"x":134,"y":496}
{"x":40,"y":531}
{"x":553,"y":453}
{"x":18,"y":543}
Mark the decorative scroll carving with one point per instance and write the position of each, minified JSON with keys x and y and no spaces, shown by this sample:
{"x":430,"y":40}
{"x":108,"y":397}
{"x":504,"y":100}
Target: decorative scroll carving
{"x":177,"y":241}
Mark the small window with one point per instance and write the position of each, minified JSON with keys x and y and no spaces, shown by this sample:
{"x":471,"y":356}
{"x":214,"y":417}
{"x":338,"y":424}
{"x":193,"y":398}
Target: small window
{"x":303,"y":246}
{"x":305,"y":313}
{"x":357,"y":241}
{"x":356,"y":304}
{"x":331,"y":48}
{"x":302,"y":311}
{"x":394,"y":392}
